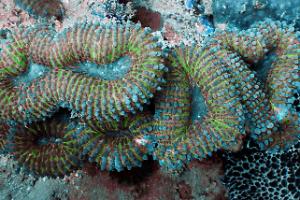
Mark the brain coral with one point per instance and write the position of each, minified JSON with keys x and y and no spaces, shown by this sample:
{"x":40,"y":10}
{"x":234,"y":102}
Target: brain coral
{"x":115,"y":145}
{"x":232,"y":90}
{"x":45,"y":148}
{"x":105,"y":74}
{"x":17,"y":83}
{"x":76,"y":62}
{"x":268,"y":104}
{"x":179,"y":139}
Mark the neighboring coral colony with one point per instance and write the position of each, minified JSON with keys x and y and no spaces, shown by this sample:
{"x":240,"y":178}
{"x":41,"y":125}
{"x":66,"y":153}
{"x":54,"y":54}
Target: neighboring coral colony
{"x":106,"y":74}
{"x":259,"y":175}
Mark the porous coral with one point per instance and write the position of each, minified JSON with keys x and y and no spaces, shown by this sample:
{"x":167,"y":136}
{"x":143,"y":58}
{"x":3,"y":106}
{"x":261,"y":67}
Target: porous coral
{"x":115,"y":145}
{"x":45,"y":148}
{"x":253,"y":174}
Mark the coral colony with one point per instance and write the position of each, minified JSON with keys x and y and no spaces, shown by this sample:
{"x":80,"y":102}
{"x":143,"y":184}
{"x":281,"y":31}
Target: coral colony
{"x":128,"y":98}
{"x":71,"y":72}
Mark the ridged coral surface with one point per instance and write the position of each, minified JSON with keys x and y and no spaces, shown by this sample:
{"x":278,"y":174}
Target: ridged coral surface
{"x":179,"y":139}
{"x":69,"y":80}
{"x":3,"y":137}
{"x":232,"y":93}
{"x":268,"y":104}
{"x":45,"y":148}
{"x":115,"y":145}
{"x":253,"y":45}
{"x":106,"y":74}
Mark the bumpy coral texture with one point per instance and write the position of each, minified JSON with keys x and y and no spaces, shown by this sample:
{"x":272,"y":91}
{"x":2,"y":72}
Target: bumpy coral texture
{"x":179,"y":139}
{"x":3,"y":137}
{"x":259,"y":175}
{"x":42,"y":8}
{"x":74,"y":61}
{"x":41,"y":70}
{"x":268,"y":105}
{"x":115,"y":145}
{"x":45,"y":148}
{"x":232,"y":93}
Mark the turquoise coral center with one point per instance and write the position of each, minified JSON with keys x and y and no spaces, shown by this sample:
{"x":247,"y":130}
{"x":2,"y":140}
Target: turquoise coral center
{"x":118,"y":133}
{"x":199,"y":107}
{"x":50,"y":140}
{"x":33,"y":72}
{"x":112,"y":71}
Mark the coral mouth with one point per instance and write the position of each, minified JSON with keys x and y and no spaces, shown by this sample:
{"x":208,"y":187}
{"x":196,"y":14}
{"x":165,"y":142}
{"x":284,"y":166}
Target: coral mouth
{"x":49,"y":141}
{"x":112,"y":71}
{"x":33,"y":72}
{"x":118,"y":133}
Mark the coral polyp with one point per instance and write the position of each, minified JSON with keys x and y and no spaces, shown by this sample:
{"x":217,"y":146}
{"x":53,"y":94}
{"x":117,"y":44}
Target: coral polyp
{"x":257,"y":109}
{"x":115,"y":145}
{"x":285,"y":136}
{"x":224,"y":123}
{"x":253,"y":45}
{"x":171,"y":120}
{"x":45,"y":148}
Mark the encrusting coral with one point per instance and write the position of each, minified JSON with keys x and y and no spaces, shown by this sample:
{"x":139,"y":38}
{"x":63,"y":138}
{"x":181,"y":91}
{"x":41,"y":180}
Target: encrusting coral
{"x":253,"y":174}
